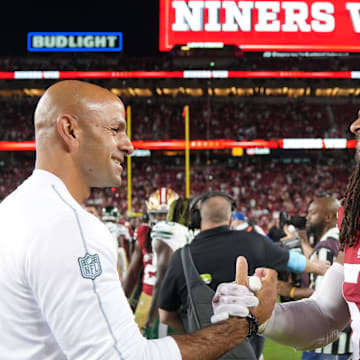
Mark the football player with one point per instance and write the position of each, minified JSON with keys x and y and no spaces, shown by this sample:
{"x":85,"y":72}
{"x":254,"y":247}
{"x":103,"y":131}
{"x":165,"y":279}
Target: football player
{"x":167,"y":236}
{"x":110,"y":217}
{"x":142,"y":258}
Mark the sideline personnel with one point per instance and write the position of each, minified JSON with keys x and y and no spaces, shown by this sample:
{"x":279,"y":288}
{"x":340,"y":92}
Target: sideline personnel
{"x":318,"y":321}
{"x":61,"y":297}
{"x":216,"y":242}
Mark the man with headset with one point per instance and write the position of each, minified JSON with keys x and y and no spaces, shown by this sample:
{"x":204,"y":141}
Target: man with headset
{"x":217,"y":244}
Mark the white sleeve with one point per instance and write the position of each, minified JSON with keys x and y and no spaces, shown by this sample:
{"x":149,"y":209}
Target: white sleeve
{"x":172,"y":234}
{"x":123,"y":230}
{"x":81,"y":297}
{"x":315,"y":322}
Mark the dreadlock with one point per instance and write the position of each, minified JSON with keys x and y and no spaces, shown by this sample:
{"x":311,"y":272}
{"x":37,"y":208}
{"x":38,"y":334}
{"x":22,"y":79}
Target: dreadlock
{"x":350,"y":226}
{"x":179,"y":211}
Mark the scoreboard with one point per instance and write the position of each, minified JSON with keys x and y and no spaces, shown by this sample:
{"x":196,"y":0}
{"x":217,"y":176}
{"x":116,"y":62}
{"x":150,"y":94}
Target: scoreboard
{"x":306,"y":25}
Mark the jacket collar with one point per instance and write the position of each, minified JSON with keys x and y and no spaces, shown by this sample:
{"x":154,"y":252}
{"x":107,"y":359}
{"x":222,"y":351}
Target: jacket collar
{"x":211,"y":232}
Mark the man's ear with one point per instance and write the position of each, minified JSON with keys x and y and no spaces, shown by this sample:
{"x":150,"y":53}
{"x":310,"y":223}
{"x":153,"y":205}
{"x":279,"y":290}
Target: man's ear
{"x":68,"y":130}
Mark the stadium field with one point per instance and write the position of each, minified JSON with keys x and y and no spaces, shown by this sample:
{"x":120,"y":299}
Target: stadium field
{"x":273,"y":351}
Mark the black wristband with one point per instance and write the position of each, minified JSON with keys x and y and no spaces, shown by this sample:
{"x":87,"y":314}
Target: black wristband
{"x":253,"y":325}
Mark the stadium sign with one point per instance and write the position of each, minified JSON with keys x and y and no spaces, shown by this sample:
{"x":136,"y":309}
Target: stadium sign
{"x":306,"y":25}
{"x":74,"y":41}
{"x":263,"y":146}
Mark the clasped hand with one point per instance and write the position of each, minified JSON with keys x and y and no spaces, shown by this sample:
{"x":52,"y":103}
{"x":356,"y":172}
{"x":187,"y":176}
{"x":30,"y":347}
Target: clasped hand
{"x":256,"y":293}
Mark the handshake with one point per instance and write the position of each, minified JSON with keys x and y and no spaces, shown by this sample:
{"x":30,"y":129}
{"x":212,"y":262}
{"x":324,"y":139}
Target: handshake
{"x":253,"y":296}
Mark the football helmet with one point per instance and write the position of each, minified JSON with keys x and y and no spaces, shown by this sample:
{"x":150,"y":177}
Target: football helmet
{"x":160,"y":200}
{"x":110,"y":213}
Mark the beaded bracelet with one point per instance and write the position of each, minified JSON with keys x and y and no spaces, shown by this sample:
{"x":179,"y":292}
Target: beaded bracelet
{"x":253,"y":325}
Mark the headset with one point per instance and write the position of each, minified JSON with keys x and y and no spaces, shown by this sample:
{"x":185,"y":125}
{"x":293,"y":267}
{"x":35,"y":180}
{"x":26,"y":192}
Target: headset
{"x":195,"y":218}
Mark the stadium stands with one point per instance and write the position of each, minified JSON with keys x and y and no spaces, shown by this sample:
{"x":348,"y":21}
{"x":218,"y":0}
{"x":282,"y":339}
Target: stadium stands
{"x":236,"y":120}
{"x":260,"y":187}
{"x":176,"y":61}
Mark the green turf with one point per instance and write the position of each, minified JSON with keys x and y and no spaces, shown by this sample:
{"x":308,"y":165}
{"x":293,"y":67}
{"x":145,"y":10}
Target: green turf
{"x":274,"y":351}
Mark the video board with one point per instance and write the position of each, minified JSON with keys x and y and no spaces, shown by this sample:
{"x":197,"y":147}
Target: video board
{"x":308,"y":25}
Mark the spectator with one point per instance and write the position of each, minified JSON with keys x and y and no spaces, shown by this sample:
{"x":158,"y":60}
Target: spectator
{"x":240,"y":222}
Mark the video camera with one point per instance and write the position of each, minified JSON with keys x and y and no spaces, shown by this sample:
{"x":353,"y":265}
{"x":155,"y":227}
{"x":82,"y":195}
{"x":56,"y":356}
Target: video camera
{"x":291,"y":244}
{"x":298,"y":221}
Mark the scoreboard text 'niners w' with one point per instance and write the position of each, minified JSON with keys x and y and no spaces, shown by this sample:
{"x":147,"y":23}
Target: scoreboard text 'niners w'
{"x":262,"y":25}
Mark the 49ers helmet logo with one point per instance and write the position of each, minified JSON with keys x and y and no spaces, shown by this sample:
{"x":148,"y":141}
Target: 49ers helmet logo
{"x":160,"y":200}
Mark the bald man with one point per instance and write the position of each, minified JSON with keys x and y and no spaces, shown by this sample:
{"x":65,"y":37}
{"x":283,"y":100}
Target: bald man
{"x":61,"y":297}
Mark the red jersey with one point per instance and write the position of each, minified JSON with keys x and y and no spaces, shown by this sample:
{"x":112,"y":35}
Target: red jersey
{"x":149,"y":276}
{"x":351,"y":288}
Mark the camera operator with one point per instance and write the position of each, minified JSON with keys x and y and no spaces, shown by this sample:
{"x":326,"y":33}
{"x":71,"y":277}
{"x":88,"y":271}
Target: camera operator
{"x":321,"y":223}
{"x":290,"y":283}
{"x":274,"y":231}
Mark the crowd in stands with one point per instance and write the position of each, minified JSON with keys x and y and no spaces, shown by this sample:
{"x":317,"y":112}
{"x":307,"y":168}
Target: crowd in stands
{"x":17,"y":118}
{"x":208,"y":120}
{"x":243,"y":121}
{"x":261,"y":187}
{"x":174,"y":60}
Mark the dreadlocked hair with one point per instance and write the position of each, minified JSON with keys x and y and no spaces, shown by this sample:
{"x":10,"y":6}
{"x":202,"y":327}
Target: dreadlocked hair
{"x":179,"y":211}
{"x":148,"y":241}
{"x":350,"y":226}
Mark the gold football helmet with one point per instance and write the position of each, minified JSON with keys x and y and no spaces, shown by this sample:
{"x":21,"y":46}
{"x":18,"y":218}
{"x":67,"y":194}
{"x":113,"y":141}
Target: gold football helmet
{"x":160,"y":200}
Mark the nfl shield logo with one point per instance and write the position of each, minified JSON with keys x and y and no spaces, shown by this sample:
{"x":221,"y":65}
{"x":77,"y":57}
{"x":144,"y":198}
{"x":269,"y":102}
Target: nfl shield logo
{"x":90,"y":266}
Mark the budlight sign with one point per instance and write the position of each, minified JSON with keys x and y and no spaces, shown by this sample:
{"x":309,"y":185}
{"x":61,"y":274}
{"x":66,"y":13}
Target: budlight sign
{"x":262,"y":25}
{"x":74,"y":41}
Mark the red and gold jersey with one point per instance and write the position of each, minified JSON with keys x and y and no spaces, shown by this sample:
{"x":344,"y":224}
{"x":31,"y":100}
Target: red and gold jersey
{"x":351,"y":288}
{"x":149,"y":276}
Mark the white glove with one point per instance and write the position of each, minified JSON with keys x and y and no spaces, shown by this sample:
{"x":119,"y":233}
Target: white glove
{"x":232,"y":299}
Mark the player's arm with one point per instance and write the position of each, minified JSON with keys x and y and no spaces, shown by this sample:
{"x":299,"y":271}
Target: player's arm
{"x":213,"y":341}
{"x":163,"y":255}
{"x":134,"y":270}
{"x":125,"y":241}
{"x":122,"y":263}
{"x":306,"y":247}
{"x":300,"y":293}
{"x":210,"y":343}
{"x":283,"y":259}
{"x":340,"y":258}
{"x":317,"y":266}
{"x":314,"y":322}
{"x":299,"y":263}
{"x":287,"y":289}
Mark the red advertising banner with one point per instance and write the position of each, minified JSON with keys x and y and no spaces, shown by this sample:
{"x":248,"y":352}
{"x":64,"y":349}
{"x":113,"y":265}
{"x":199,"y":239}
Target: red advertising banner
{"x":287,"y":144}
{"x":306,"y":25}
{"x":186,"y":74}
